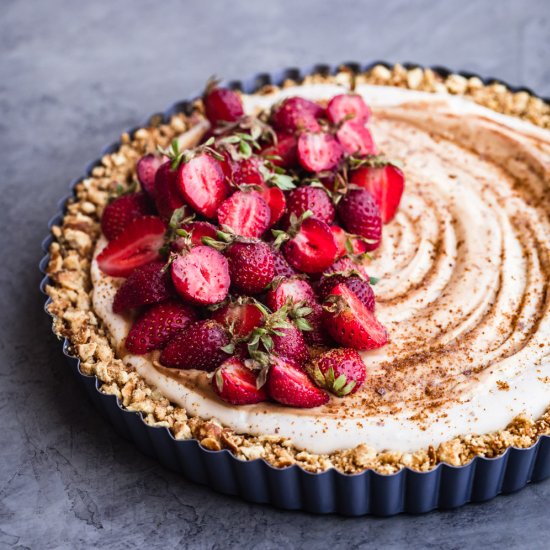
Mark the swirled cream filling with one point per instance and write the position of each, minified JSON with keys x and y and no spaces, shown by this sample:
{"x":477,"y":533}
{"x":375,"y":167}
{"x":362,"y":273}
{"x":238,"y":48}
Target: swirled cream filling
{"x":464,"y":267}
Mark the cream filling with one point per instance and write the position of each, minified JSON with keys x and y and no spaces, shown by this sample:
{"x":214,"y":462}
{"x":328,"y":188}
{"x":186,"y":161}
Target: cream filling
{"x":464,"y":267}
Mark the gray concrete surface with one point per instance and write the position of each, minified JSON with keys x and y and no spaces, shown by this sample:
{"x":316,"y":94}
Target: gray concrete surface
{"x":72,"y":76}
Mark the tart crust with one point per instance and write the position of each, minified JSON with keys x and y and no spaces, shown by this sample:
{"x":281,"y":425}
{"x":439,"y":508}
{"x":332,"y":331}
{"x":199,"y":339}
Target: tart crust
{"x":74,"y":318}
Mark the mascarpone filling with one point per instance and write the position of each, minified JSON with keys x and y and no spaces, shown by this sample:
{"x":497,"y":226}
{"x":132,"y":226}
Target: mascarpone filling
{"x":464,"y":269}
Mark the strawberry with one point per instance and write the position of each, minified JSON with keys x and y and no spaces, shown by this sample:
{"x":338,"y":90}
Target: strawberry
{"x":276,"y":201}
{"x":222,"y":105}
{"x":236,"y":384}
{"x":147,"y":284}
{"x":247,"y":171}
{"x":350,"y":323}
{"x":201,"y":275}
{"x":246,"y":213}
{"x":296,"y":114}
{"x":201,"y":181}
{"x":281,"y":268}
{"x":347,"y":265}
{"x":283,"y":153}
{"x":199,"y":346}
{"x":289,"y":342}
{"x":157,"y":325}
{"x":341,"y":371}
{"x":239,"y":318}
{"x":348,"y":106}
{"x":360,"y":215}
{"x":290,"y":385}
{"x":312,"y":249}
{"x":356,"y":139}
{"x":251,"y":266}
{"x":318,"y":152}
{"x":167,"y":195}
{"x":317,"y":336}
{"x":358,"y":286}
{"x":196,"y":230}
{"x":314,"y":199}
{"x":138,"y":244}
{"x":386,"y":185}
{"x":292,"y":289}
{"x":119,"y":213}
{"x":346,"y":243}
{"x":146,"y":169}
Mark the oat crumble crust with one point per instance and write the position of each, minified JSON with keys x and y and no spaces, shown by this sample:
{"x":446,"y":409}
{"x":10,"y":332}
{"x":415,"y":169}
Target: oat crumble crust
{"x":74,"y":318}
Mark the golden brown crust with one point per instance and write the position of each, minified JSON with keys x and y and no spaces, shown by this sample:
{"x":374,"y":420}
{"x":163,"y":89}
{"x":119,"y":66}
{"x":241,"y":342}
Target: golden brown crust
{"x":74,"y":318}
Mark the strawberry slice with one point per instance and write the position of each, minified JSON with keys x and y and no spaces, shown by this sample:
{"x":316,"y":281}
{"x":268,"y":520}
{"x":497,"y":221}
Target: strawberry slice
{"x":240,"y":318}
{"x":201,"y":276}
{"x":318,"y":152}
{"x":351,"y":323}
{"x":119,"y":213}
{"x":290,"y":385}
{"x":356,"y":139}
{"x":348,"y":106}
{"x":157,"y":325}
{"x":276,"y":201}
{"x":137,"y":245}
{"x":202,"y":183}
{"x":167,"y":195}
{"x":313,"y":249}
{"x":196,"y":230}
{"x":296,"y":114}
{"x":293,"y":289}
{"x":236,"y":384}
{"x":386,"y":185}
{"x":222,"y":105}
{"x":246,"y":213}
{"x":146,"y":169}
{"x":283,"y":153}
{"x":346,"y":243}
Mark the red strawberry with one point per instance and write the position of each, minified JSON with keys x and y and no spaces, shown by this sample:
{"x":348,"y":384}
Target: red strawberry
{"x":146,"y":169}
{"x":281,"y":268}
{"x":201,"y":276}
{"x":246,"y":213}
{"x":119,"y":213}
{"x":356,"y":139}
{"x":346,"y":265}
{"x":313,"y":249}
{"x":341,"y":371}
{"x":251,"y":266}
{"x":167,"y":195}
{"x":157,"y":325}
{"x":386,"y":185}
{"x":199,"y":346}
{"x":197,"y":231}
{"x":240,"y":318}
{"x":236,"y":384}
{"x":296,"y":114}
{"x":202,"y":183}
{"x":314,"y":199}
{"x":222,"y":105}
{"x":318,"y":152}
{"x":346,"y":243}
{"x":247,"y":171}
{"x":291,"y":344}
{"x":290,"y":385}
{"x":276,"y":201}
{"x":137,"y":245}
{"x":317,"y":336}
{"x":358,"y":286}
{"x":284,"y":152}
{"x":147,"y":284}
{"x":293,"y":289}
{"x":347,"y":106}
{"x":360,"y":215}
{"x":351,"y":324}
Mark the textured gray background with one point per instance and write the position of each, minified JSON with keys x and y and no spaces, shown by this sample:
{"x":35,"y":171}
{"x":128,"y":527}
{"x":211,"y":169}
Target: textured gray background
{"x":72,"y":76}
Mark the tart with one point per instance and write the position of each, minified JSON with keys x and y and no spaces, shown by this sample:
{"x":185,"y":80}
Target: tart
{"x":348,"y":272}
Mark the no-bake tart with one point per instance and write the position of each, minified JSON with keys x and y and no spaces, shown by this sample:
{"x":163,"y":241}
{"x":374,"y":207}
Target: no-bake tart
{"x":350,"y":271}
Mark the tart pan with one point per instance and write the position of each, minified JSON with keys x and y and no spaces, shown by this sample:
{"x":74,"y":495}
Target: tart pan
{"x":293,"y":488}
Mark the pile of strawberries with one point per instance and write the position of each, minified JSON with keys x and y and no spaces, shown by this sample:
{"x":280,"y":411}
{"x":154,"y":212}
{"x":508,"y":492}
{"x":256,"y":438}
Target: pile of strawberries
{"x":245,"y":257}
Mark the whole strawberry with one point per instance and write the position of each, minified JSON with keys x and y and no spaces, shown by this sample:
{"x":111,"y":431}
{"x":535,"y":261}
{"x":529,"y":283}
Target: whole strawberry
{"x":123,"y":210}
{"x":197,"y":347}
{"x":146,"y":169}
{"x":341,"y":371}
{"x":317,"y":336}
{"x":314,"y":199}
{"x":222,"y":105}
{"x":167,"y":194}
{"x":236,"y":384}
{"x":289,"y":342}
{"x":281,"y":268}
{"x":157,"y":325}
{"x":251,"y":266}
{"x":296,"y":114}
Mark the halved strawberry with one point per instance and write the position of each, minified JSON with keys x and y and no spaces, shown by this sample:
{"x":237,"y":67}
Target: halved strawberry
{"x":318,"y":152}
{"x":346,"y":265}
{"x":251,"y":266}
{"x":341,"y":371}
{"x":348,"y":106}
{"x":313,"y":249}
{"x":246,"y":213}
{"x":146,"y":169}
{"x":137,"y":245}
{"x":202,"y":183}
{"x":119,"y":213}
{"x":290,"y":385}
{"x":247,"y":171}
{"x":201,"y":276}
{"x":296,"y":114}
{"x":350,"y":323}
{"x":240,"y":318}
{"x":284,"y":152}
{"x":222,"y":105}
{"x":356,"y":139}
{"x":276,"y":201}
{"x":346,"y":243}
{"x":236,"y":384}
{"x":314,"y":199}
{"x":147,"y":284}
{"x":196,"y":230}
{"x":357,"y":285}
{"x":386,"y":185}
{"x":167,"y":194}
{"x":293,"y":289}
{"x":157,"y":325}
